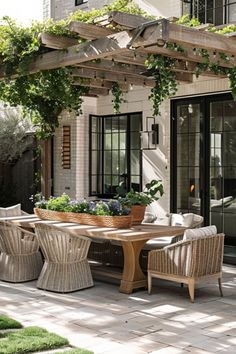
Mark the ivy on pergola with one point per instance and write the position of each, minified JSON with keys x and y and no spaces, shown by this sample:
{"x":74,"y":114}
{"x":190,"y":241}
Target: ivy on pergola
{"x":48,"y":67}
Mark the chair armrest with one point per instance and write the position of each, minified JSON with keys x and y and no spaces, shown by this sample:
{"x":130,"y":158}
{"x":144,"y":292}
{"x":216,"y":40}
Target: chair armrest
{"x":173,"y":259}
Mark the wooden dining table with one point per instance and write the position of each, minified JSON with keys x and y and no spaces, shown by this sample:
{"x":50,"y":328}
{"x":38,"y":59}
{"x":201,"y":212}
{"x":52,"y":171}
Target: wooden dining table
{"x":132,"y":241}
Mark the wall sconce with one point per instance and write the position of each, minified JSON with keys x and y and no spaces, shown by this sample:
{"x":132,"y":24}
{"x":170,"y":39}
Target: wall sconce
{"x":150,"y":136}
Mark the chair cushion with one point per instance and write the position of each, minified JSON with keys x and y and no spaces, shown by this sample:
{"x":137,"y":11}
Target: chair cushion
{"x":13,"y":210}
{"x":149,"y":217}
{"x":192,"y":234}
{"x":157,"y":243}
{"x":181,"y":219}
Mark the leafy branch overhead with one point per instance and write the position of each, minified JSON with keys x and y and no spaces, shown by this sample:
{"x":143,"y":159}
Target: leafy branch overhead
{"x":47,"y":93}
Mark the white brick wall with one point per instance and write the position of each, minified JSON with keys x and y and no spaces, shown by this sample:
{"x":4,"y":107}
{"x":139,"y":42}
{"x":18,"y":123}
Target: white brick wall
{"x":59,"y":9}
{"x":74,"y":181}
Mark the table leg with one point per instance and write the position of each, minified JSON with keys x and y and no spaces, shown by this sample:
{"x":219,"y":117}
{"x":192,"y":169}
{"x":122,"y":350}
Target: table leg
{"x":133,"y":276}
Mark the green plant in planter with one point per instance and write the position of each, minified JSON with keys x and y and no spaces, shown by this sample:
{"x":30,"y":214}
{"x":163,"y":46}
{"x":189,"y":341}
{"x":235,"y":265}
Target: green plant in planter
{"x":153,"y":191}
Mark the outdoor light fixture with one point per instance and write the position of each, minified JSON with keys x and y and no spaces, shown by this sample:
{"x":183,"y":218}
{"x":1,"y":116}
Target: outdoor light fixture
{"x":150,"y":136}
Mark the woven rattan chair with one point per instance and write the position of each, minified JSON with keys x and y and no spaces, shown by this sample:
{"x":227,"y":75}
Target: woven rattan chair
{"x":66,"y":266}
{"x":161,"y":242}
{"x":188,"y":262}
{"x":20,"y":259}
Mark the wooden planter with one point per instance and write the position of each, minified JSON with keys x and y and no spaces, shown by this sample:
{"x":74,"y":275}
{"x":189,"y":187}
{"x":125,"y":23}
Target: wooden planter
{"x":137,"y":212}
{"x":123,"y":221}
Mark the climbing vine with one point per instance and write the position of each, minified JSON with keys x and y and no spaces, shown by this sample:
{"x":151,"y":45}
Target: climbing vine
{"x":165,"y":81}
{"x":117,"y":97}
{"x":47,"y":93}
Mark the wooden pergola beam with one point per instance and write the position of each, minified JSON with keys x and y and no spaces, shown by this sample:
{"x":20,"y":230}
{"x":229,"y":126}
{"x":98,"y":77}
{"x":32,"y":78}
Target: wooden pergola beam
{"x":89,"y":31}
{"x":99,"y":83}
{"x":189,"y":55}
{"x":122,"y":19}
{"x":164,"y":31}
{"x":80,"y":53}
{"x":111,"y":66}
{"x":109,"y":76}
{"x":97,"y":91}
{"x":56,"y":42}
{"x":129,"y":57}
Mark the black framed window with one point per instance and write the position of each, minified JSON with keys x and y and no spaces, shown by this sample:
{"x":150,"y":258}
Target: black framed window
{"x":211,"y":11}
{"x":115,"y":153}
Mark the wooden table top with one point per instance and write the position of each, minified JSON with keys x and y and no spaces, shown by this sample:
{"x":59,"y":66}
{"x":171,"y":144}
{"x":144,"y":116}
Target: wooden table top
{"x":135,"y":233}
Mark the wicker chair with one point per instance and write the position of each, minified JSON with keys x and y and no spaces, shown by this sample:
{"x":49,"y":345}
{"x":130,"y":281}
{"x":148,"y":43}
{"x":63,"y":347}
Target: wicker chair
{"x":66,"y":266}
{"x":161,"y":242}
{"x":188,"y":262}
{"x":20,"y":259}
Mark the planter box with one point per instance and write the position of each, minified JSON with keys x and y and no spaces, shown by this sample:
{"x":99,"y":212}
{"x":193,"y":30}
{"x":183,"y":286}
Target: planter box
{"x":123,"y":221}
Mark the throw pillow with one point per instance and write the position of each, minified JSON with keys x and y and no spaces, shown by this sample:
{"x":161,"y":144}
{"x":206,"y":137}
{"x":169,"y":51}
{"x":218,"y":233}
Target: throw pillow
{"x":14,"y":210}
{"x":182,"y":219}
{"x":149,"y":218}
{"x":192,"y":234}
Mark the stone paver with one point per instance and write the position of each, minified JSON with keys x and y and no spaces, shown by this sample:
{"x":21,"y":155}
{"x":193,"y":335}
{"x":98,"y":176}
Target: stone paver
{"x":104,"y":321}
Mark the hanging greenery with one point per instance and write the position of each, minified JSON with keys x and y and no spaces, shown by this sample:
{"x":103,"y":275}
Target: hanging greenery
{"x":165,"y":82}
{"x":117,"y":97}
{"x":46,"y":94}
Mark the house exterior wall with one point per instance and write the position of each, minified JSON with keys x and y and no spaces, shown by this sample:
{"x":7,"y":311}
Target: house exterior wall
{"x":156,"y":163}
{"x":74,"y":181}
{"x":59,"y":9}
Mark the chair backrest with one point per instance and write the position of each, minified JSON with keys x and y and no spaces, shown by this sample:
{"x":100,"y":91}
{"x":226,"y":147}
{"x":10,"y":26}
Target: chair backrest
{"x":59,"y":245}
{"x":198,"y":257}
{"x":14,"y":210}
{"x":17,"y":241}
{"x":197,"y":221}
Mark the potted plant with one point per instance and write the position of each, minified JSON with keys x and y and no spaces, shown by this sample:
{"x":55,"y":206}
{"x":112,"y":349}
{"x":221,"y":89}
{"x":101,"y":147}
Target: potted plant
{"x":137,"y":201}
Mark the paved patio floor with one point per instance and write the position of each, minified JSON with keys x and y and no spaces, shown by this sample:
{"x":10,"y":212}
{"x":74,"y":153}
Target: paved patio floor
{"x":105,"y":321}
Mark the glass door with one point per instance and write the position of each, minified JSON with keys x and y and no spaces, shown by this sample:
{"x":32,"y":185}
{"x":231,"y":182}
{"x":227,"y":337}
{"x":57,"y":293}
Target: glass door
{"x":186,"y":150}
{"x":203,"y":169}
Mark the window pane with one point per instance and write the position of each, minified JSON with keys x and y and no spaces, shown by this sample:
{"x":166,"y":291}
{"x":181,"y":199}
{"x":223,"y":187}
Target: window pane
{"x":123,"y":123}
{"x":115,"y":124}
{"x":107,"y":161}
{"x":115,"y":153}
{"x":219,"y":12}
{"x":135,"y":122}
{"x":135,"y":140}
{"x":135,"y":183}
{"x":95,"y":124}
{"x":107,"y":124}
{"x":134,"y":160}
{"x":232,"y":11}
{"x":230,"y":116}
{"x":115,"y":141}
{"x":107,"y":141}
{"x":115,"y":162}
{"x":123,"y":161}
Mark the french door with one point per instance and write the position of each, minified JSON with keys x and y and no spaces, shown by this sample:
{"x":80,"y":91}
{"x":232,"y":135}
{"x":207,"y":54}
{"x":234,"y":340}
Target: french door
{"x":203,"y":168}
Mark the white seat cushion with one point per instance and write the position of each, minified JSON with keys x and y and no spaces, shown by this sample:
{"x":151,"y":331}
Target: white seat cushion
{"x":157,"y":243}
{"x":192,"y":234}
{"x":182,"y":219}
{"x":14,"y":210}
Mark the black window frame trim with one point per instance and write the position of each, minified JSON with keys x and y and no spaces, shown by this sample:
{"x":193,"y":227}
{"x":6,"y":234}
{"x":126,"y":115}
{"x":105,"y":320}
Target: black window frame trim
{"x":104,"y":195}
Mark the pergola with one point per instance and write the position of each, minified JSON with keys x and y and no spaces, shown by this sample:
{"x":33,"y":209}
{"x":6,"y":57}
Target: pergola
{"x":118,"y":44}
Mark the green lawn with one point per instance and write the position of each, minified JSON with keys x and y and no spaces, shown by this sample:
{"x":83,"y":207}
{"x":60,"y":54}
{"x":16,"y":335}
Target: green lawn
{"x":31,"y":339}
{"x":9,"y":323}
